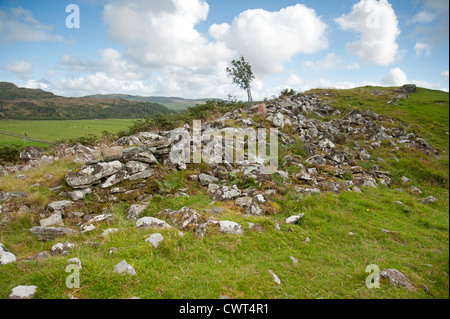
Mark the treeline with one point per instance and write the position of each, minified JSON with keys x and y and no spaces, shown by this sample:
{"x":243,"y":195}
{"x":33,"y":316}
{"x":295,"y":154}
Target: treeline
{"x":35,"y":104}
{"x":66,"y":110}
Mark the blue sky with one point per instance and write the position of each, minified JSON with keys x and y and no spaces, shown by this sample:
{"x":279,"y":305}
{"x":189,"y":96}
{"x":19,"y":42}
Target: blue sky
{"x":182,"y":47}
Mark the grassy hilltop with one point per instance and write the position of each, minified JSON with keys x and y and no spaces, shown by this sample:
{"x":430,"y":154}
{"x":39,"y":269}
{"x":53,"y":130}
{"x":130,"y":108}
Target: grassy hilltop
{"x":339,"y":236}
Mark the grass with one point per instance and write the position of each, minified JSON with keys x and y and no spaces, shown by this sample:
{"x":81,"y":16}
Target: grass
{"x":345,"y":231}
{"x":54,"y":130}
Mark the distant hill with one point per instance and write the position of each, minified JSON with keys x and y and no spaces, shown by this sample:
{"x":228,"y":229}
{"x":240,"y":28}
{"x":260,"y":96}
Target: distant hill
{"x":172,"y":103}
{"x":36,"y":104}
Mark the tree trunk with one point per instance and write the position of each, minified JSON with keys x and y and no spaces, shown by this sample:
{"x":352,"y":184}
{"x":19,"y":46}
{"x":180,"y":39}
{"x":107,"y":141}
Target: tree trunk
{"x":250,"y":99}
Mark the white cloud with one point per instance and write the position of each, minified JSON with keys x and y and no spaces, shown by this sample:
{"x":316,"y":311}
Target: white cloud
{"x":396,"y":77}
{"x":159,"y":33}
{"x":20,"y":68}
{"x":269,"y":39}
{"x":378,"y":25}
{"x":422,"y":48}
{"x":445,"y":75}
{"x":19,"y":25}
{"x":330,"y":61}
{"x":423,"y":17}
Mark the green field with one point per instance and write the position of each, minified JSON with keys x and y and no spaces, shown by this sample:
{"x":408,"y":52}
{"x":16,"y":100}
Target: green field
{"x":56,"y":130}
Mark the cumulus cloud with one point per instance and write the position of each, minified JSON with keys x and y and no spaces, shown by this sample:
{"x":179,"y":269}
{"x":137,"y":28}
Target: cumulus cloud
{"x":377,"y":24}
{"x":420,"y":48}
{"x":159,"y":33}
{"x":396,"y":77}
{"x":19,"y":25}
{"x":330,"y":61}
{"x":19,"y":68}
{"x":270,"y":39}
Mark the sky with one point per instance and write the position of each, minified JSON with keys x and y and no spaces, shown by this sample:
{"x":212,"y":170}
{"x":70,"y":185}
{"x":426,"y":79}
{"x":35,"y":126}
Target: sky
{"x":182,"y":47}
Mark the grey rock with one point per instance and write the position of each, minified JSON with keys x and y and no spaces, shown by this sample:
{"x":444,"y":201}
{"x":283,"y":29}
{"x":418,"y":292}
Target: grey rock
{"x":90,"y":174}
{"x":84,"y":154}
{"x":205,"y":179}
{"x":60,"y":205}
{"x":275,"y":277}
{"x":395,"y":277}
{"x":31,"y":153}
{"x":244,"y":201}
{"x":79,"y":194}
{"x":415,"y":190}
{"x":109,"y":231}
{"x":75,"y":261}
{"x":135,"y":211}
{"x":6,"y":257}
{"x":134,"y":167}
{"x":23,"y":292}
{"x":112,"y":153}
{"x":61,"y":248}
{"x":50,"y":233}
{"x":223,"y":193}
{"x":116,"y":178}
{"x":147,"y":222}
{"x":124,"y":268}
{"x":6,"y":196}
{"x":295,"y":218}
{"x":140,"y":154}
{"x":185,"y":218}
{"x":427,"y":200}
{"x":230,"y":227}
{"x":53,"y":220}
{"x":142,"y":175}
{"x":404,"y":179}
{"x":155,"y":239}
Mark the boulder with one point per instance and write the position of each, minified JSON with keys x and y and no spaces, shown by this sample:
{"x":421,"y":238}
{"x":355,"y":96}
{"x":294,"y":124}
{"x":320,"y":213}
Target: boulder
{"x":155,"y":239}
{"x":134,"y":167}
{"x":109,"y":231}
{"x":223,"y":193}
{"x":295,"y":218}
{"x":116,"y":178}
{"x":147,"y":222}
{"x":406,"y":89}
{"x":395,"y":277}
{"x":79,"y":194}
{"x":75,"y":261}
{"x":23,"y":292}
{"x":230,"y":227}
{"x":91,"y":174}
{"x":60,"y":205}
{"x":124,"y":268}
{"x":31,"y":153}
{"x":140,"y":154}
{"x":6,"y":257}
{"x":112,"y":153}
{"x":135,"y":211}
{"x":6,"y":196}
{"x":61,"y":248}
{"x":185,"y":218}
{"x":205,"y":179}
{"x":84,"y":154}
{"x":54,"y":219}
{"x":142,"y":175}
{"x":427,"y":200}
{"x":50,"y":233}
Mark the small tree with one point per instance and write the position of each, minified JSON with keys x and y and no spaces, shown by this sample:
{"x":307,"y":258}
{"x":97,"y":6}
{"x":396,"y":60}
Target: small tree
{"x":242,"y":76}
